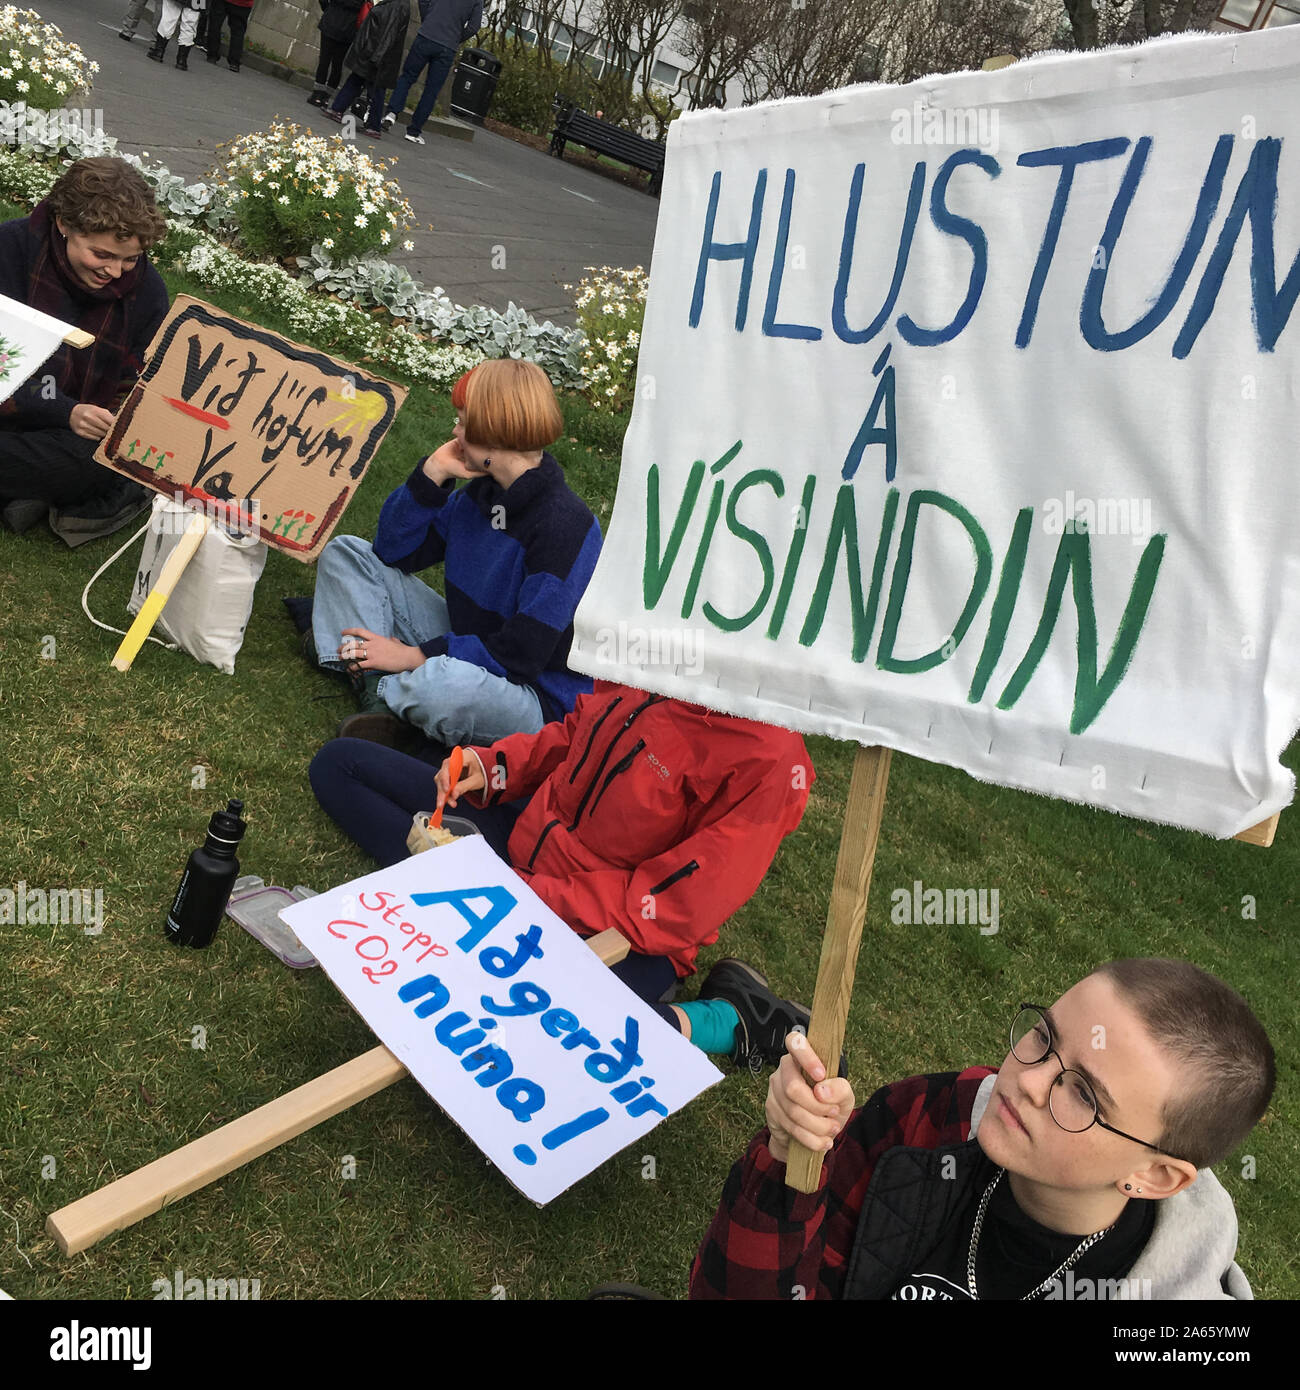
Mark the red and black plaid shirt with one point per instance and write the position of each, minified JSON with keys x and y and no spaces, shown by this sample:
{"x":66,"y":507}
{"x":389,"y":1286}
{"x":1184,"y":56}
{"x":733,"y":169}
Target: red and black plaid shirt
{"x":769,"y":1241}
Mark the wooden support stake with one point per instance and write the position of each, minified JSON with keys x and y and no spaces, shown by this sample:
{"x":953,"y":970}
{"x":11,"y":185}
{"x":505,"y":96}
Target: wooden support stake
{"x":843,"y":936}
{"x":195,"y":529}
{"x":120,"y":1204}
{"x":1263,"y":833}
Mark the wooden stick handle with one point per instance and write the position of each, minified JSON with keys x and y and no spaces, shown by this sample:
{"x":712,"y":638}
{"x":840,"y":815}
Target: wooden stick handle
{"x":176,"y":1175}
{"x":183,"y":552}
{"x":843,"y":937}
{"x":166,"y":1180}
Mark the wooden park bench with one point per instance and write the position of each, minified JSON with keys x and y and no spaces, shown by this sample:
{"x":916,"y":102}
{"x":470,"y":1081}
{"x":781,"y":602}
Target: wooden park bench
{"x":572,"y":123}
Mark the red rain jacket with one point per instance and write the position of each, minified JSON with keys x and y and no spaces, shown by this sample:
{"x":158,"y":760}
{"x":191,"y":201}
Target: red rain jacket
{"x":650,"y":815}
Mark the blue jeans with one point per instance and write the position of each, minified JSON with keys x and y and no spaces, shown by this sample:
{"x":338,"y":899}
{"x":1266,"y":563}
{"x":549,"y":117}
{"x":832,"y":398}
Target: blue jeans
{"x":452,"y":701}
{"x":424,"y":52}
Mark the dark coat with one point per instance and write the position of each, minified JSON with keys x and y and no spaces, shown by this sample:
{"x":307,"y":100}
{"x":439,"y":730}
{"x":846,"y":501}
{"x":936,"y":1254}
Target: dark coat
{"x":340,"y":19}
{"x":376,"y":52}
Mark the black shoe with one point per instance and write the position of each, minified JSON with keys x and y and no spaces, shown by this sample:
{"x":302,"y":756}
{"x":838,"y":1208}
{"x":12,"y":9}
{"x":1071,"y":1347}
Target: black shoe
{"x":23,"y":514}
{"x":234,"y":67}
{"x":318,"y":99}
{"x":764,"y":1019}
{"x":182,"y":58}
{"x":158,"y":51}
{"x":213,"y":57}
{"x":122,"y":34}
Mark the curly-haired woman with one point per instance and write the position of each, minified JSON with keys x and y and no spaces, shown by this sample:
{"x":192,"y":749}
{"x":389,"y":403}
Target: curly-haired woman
{"x":80,"y":257}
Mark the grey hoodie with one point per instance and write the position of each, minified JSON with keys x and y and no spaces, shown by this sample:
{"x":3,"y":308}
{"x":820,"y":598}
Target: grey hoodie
{"x":1190,"y":1252}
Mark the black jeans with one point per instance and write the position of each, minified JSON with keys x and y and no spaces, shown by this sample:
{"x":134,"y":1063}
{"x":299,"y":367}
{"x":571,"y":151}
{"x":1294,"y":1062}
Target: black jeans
{"x":50,"y":465}
{"x":237,"y":17}
{"x":330,"y":67}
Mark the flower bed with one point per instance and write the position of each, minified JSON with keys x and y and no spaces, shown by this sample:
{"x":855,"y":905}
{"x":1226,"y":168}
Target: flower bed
{"x":285,"y":185}
{"x":38,"y":65}
{"x":611,"y":310}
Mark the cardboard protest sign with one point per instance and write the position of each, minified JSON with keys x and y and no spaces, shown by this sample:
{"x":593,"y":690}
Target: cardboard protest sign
{"x":966,"y":424}
{"x":28,"y":338}
{"x":228,"y":411}
{"x":544,"y":1058}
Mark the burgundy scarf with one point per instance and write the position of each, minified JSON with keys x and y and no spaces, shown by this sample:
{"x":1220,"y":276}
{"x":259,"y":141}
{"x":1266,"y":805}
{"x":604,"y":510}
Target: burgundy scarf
{"x":94,"y":375}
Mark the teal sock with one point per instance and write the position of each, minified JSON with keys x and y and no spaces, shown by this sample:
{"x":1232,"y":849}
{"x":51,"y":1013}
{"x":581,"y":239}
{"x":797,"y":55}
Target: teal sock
{"x":713,"y":1024}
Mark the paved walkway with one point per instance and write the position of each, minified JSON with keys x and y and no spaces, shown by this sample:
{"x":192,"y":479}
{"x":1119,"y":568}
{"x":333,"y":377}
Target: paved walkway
{"x":549,"y":219}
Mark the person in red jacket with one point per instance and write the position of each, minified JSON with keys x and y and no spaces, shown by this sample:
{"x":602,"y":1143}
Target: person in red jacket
{"x":647,"y":814}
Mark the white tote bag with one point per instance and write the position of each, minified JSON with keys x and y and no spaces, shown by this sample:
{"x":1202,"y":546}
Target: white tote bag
{"x":210,"y":606}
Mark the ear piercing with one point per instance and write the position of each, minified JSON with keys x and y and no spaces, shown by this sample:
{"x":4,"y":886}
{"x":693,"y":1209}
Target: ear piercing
{"x":1128,"y":1187}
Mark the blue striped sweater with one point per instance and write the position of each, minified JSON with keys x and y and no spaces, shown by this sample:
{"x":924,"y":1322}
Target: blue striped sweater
{"x":516,"y":562}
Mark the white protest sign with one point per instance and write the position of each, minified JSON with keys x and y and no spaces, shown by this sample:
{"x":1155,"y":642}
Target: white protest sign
{"x":545,"y":1059}
{"x":966,"y":424}
{"x":28,"y":339}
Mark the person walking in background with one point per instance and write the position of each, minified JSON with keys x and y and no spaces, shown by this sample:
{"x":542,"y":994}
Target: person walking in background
{"x":236,"y":13}
{"x":174,"y":14}
{"x":372,"y":63}
{"x":134,"y":14}
{"x":338,"y":26}
{"x":444,"y":26}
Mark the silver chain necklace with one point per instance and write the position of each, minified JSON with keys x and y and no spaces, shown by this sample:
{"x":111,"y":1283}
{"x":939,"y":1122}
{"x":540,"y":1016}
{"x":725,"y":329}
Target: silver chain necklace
{"x":1086,"y":1244}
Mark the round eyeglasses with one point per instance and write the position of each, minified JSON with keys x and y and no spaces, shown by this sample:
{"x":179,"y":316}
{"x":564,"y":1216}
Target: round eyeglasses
{"x":1071,"y":1101}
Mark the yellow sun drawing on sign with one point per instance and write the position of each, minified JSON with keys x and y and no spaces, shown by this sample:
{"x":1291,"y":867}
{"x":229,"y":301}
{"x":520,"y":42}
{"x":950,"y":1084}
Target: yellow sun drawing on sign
{"x":361,"y":410}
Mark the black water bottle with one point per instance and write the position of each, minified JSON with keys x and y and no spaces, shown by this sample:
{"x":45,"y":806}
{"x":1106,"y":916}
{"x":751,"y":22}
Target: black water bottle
{"x":206,"y":883}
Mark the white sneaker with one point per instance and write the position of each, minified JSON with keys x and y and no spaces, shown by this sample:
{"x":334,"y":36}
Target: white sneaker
{"x":415,"y":139}
{"x":390,"y":118}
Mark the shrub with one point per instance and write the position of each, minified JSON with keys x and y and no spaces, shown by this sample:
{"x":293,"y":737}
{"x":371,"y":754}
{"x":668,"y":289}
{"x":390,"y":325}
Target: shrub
{"x":37,"y":64}
{"x":288,"y":187}
{"x":611,"y":308}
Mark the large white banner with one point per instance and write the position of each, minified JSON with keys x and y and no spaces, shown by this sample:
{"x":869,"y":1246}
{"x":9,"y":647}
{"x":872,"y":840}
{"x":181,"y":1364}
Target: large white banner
{"x":503,"y":1014}
{"x":967,"y":422}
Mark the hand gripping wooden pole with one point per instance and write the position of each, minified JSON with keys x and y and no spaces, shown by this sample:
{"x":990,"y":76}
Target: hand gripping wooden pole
{"x":843,"y":936}
{"x":120,"y":1204}
{"x":183,"y":552}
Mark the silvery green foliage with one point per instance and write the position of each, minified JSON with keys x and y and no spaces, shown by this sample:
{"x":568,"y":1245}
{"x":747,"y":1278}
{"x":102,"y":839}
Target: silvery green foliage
{"x":196,"y":204}
{"x":52,"y":134}
{"x":373,"y":281}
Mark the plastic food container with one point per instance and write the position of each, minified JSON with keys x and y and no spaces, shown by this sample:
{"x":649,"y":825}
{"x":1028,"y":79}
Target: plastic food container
{"x":419,"y":839}
{"x":255,"y":906}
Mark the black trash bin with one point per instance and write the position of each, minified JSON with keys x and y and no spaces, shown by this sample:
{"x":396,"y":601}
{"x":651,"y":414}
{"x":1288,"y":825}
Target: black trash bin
{"x":473,"y":83}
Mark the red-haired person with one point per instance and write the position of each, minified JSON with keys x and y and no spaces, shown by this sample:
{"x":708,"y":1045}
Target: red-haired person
{"x":80,"y":257}
{"x":517,"y":547}
{"x":1078,"y":1170}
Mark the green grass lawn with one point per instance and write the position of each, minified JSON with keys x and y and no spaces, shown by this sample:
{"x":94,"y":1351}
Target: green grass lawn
{"x":101,"y":772}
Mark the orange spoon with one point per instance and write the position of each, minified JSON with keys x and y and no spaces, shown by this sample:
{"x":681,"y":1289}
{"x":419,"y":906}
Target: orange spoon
{"x":455,"y":763}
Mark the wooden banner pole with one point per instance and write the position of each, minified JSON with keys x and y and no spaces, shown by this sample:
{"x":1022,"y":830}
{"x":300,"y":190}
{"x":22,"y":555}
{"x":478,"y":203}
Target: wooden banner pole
{"x":843,"y":937}
{"x":183,"y":552}
{"x":129,"y":1199}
